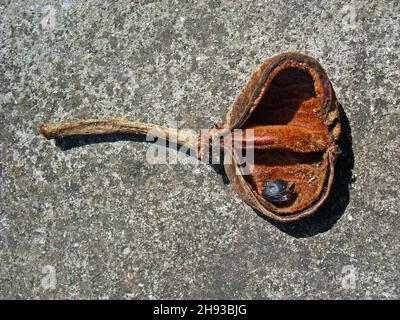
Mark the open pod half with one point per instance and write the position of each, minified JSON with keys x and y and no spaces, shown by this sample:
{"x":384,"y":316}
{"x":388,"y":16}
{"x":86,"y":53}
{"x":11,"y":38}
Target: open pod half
{"x":290,"y":108}
{"x":290,"y":104}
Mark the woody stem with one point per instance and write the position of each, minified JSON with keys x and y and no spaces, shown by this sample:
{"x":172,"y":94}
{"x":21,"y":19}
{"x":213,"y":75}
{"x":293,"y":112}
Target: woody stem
{"x":116,"y":125}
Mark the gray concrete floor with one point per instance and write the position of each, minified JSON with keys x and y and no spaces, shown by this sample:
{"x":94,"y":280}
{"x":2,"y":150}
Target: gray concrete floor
{"x":91,"y":218}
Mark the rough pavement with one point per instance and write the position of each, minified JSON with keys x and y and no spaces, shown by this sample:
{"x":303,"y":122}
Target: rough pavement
{"x":91,"y":218}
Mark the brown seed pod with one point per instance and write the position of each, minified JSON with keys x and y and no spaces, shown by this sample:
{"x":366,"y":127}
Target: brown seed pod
{"x":290,"y":107}
{"x":288,"y":98}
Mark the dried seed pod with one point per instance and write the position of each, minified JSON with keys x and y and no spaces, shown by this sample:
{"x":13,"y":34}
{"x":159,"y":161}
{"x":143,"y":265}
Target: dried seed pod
{"x":289,"y":106}
{"x":290,"y":100}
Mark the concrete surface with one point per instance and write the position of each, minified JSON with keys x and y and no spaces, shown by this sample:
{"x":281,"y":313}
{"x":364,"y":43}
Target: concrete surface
{"x":91,"y":218}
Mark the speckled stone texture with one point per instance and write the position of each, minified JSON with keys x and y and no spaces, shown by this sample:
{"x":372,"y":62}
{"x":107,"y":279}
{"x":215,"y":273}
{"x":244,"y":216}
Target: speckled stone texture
{"x":92,"y":218}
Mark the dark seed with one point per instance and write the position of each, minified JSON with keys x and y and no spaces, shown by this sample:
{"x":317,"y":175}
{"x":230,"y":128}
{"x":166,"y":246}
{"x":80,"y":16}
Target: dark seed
{"x":277,"y":191}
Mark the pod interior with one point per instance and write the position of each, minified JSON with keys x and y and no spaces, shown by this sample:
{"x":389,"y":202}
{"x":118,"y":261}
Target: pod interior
{"x":289,"y":111}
